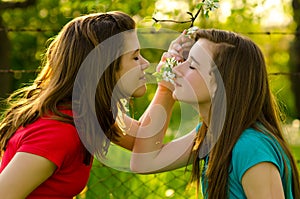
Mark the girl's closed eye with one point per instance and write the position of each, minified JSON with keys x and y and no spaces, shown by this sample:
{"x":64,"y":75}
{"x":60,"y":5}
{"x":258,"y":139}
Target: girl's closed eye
{"x":136,"y":55}
{"x":192,"y":67}
{"x":190,"y":64}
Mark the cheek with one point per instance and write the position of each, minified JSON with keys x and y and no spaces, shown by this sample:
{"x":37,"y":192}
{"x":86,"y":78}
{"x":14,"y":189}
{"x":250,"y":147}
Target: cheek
{"x":130,"y":81}
{"x":128,"y":73}
{"x":199,"y":87}
{"x":202,"y":92}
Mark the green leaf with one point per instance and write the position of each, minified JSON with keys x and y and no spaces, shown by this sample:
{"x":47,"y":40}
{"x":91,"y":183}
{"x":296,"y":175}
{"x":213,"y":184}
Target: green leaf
{"x":199,"y":5}
{"x":147,"y":19}
{"x":157,"y":26}
{"x":206,"y":15}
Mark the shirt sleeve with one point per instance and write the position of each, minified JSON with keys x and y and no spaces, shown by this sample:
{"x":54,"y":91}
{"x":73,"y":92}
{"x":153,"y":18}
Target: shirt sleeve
{"x":254,"y":148}
{"x":50,"y":139}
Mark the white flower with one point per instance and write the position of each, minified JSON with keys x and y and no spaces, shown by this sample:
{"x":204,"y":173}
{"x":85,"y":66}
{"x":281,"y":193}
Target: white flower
{"x":166,"y":72}
{"x":168,"y":76}
{"x":210,"y":5}
{"x":191,"y":32}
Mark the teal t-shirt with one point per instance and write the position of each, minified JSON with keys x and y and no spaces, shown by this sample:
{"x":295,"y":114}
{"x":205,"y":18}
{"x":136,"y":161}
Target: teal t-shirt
{"x":252,"y":148}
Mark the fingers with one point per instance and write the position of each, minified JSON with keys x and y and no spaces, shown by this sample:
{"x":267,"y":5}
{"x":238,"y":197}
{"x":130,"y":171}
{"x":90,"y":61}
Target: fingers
{"x":167,"y":85}
{"x":159,"y":66}
{"x":176,"y":50}
{"x":187,"y":45}
{"x":177,"y":47}
{"x":166,"y":55}
{"x":180,"y":47}
{"x":177,"y":54}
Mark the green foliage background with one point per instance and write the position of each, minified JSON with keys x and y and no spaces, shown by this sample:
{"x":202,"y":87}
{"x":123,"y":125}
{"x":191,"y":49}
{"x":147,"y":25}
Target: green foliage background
{"x":47,"y":17}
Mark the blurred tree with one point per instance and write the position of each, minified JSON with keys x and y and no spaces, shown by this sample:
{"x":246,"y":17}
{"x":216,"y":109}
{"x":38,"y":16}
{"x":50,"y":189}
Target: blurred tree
{"x":5,"y":47}
{"x":25,"y":27}
{"x":30,"y":28}
{"x":295,"y":57}
{"x":268,"y":23}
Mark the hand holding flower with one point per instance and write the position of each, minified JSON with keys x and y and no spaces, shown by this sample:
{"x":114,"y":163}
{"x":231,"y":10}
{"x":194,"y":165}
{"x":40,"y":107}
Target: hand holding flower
{"x":178,"y":52}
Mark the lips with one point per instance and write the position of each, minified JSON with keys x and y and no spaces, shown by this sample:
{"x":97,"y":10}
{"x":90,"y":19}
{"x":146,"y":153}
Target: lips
{"x":142,"y":78}
{"x":177,"y":84}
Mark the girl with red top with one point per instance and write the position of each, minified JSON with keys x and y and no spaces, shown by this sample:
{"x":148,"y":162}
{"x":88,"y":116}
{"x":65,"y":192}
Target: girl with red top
{"x":42,"y":155}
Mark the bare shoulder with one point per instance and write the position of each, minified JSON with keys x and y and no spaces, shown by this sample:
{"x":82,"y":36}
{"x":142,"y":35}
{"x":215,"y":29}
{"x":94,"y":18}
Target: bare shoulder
{"x":263,"y":181}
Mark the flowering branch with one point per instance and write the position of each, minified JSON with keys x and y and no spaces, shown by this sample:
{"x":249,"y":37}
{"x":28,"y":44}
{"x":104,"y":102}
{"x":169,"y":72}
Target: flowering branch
{"x":206,"y":6}
{"x":169,"y":20}
{"x":166,"y":72}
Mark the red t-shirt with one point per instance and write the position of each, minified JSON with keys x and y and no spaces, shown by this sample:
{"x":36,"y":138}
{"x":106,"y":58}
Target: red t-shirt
{"x":58,"y":142}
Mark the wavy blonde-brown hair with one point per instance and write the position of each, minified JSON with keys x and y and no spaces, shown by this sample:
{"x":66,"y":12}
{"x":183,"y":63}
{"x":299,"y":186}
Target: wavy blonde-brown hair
{"x":249,"y":102}
{"x":52,"y":89}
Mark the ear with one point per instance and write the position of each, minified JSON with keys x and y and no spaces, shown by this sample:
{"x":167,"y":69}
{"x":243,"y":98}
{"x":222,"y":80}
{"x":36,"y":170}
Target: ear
{"x":119,"y":69}
{"x":212,"y":81}
{"x":118,"y":75}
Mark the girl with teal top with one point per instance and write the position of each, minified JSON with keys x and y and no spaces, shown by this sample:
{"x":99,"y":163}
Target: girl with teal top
{"x":238,"y":150}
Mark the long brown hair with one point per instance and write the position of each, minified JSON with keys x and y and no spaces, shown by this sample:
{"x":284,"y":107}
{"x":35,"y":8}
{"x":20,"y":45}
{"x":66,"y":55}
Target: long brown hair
{"x":52,"y":89}
{"x":249,"y":101}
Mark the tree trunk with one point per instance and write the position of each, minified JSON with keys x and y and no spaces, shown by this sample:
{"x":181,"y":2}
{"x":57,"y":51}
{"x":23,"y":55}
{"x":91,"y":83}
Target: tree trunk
{"x":295,"y":58}
{"x":6,"y":79}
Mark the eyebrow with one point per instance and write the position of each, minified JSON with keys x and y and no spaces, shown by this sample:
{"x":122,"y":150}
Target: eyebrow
{"x":136,"y":51}
{"x":195,"y":60}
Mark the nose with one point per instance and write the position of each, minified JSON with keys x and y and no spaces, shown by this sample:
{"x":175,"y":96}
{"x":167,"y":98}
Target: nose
{"x":178,"y":70}
{"x":144,"y":63}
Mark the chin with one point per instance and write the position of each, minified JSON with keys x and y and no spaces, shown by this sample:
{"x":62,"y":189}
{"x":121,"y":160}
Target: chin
{"x":176,"y":97}
{"x":140,"y":91}
{"x":182,"y":99}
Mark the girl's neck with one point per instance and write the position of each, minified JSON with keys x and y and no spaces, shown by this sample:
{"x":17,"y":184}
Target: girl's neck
{"x":203,"y":110}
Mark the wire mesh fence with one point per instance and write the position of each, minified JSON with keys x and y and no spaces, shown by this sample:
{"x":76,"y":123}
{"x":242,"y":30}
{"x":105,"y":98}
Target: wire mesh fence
{"x":108,"y":183}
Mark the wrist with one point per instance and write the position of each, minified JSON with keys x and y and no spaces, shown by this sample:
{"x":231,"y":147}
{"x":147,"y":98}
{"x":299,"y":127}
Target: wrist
{"x":165,"y":87}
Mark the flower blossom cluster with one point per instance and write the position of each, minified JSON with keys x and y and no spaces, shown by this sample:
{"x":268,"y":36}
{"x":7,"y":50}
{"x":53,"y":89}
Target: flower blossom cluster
{"x":191,"y":32}
{"x":209,"y":5}
{"x":166,"y":72}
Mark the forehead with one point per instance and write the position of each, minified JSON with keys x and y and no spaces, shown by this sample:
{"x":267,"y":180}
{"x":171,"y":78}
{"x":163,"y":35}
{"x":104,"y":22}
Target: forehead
{"x":201,"y":51}
{"x":202,"y":47}
{"x":131,"y":41}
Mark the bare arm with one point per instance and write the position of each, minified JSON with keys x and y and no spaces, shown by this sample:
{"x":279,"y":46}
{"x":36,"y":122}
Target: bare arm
{"x":145,"y":137}
{"x":263,"y":181}
{"x":150,"y":155}
{"x":152,"y":122}
{"x":125,"y":140}
{"x":173,"y":155}
{"x":23,"y":174}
